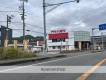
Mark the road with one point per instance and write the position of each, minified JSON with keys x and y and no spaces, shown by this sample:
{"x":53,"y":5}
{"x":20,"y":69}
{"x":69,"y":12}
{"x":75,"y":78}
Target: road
{"x":82,"y":60}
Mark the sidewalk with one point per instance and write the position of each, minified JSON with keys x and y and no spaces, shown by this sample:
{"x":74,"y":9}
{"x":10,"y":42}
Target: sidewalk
{"x":77,"y":53}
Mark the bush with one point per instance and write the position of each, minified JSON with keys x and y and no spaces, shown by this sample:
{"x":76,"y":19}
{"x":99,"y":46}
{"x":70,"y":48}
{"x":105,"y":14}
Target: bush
{"x":12,"y":53}
{"x":1,"y":52}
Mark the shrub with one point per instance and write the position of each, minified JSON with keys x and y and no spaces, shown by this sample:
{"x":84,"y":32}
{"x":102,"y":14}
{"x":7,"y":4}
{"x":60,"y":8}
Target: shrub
{"x":1,"y":52}
{"x":12,"y":53}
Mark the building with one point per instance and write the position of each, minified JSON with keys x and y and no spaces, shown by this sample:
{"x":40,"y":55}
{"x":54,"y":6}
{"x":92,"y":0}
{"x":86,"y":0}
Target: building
{"x":59,"y":40}
{"x":3,"y":31}
{"x":82,"y":40}
{"x":98,"y":41}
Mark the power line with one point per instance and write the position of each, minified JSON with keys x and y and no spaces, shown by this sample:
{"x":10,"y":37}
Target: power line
{"x":8,"y":11}
{"x":34,"y":25}
{"x":27,"y":26}
{"x":36,"y":32}
{"x":29,"y":30}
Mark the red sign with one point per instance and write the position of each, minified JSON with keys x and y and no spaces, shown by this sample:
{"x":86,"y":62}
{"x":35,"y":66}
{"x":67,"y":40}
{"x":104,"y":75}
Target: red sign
{"x":58,"y":36}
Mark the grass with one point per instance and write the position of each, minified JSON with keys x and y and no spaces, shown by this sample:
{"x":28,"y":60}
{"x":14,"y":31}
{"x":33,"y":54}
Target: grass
{"x":12,"y":53}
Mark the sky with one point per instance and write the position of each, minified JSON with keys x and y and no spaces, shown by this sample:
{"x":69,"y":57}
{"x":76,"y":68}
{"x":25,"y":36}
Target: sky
{"x":74,"y":16}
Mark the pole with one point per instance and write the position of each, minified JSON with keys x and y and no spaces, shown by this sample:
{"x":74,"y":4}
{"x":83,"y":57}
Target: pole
{"x":44,"y":23}
{"x":93,"y":38}
{"x":7,"y":28}
{"x":102,"y":41}
{"x":23,"y":18}
{"x":61,"y":46}
{"x":6,"y":37}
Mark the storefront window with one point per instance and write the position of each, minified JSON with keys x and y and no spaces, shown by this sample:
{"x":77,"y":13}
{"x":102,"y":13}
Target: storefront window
{"x":54,"y":47}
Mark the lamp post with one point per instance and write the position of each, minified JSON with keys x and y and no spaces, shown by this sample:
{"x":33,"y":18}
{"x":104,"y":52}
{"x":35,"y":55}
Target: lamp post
{"x":45,"y":5}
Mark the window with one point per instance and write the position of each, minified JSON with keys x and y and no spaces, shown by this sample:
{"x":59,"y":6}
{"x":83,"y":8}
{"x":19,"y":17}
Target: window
{"x":58,"y":40}
{"x":63,"y":40}
{"x":58,"y":47}
{"x":54,"y":40}
{"x":63,"y":47}
{"x":54,"y":47}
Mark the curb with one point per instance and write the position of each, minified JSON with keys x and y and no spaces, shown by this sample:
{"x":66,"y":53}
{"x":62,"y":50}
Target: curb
{"x":17,"y":61}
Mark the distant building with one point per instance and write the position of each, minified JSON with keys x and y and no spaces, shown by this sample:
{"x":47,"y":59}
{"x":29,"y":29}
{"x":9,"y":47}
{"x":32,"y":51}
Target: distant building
{"x":64,"y":40}
{"x":3,"y":31}
{"x":98,"y":40}
{"x":82,"y":40}
{"x":57,"y":40}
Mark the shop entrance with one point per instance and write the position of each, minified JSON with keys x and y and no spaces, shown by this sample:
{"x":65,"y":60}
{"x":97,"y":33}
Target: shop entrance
{"x":82,"y":45}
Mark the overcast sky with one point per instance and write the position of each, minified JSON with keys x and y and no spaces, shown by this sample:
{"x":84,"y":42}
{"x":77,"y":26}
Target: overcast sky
{"x":72,"y":16}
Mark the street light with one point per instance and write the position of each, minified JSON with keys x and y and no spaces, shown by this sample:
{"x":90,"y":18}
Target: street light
{"x":44,"y":17}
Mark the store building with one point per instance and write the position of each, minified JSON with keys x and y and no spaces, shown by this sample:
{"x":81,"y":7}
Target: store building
{"x":82,"y":40}
{"x":3,"y":31}
{"x":59,"y":40}
{"x":98,"y":42}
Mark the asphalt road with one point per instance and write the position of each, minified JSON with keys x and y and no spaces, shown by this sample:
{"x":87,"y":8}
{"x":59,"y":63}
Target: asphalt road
{"x":84,"y":60}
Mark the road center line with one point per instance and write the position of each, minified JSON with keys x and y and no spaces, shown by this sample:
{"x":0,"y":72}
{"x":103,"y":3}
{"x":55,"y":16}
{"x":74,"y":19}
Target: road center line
{"x":91,"y":71}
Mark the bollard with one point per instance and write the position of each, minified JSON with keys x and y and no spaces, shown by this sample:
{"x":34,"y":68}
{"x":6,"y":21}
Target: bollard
{"x":6,"y":43}
{"x":15,"y":43}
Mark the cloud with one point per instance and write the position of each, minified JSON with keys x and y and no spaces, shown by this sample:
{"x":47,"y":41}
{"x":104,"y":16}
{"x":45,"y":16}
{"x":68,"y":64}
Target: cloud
{"x":72,"y":16}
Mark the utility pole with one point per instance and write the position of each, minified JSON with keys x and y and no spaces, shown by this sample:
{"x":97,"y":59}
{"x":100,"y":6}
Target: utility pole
{"x":23,"y":16}
{"x":7,"y":21}
{"x":44,"y":23}
{"x":7,"y":28}
{"x":6,"y":37}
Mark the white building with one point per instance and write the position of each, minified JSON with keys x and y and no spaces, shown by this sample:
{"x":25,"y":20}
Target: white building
{"x":59,"y":40}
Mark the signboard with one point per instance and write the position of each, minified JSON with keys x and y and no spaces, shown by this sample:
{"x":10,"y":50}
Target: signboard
{"x":82,"y":36}
{"x":58,"y":36}
{"x":102,"y":27}
{"x":58,"y":31}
